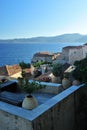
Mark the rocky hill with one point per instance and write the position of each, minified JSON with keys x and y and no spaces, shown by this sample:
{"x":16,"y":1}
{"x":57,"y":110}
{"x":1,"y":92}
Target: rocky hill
{"x":75,"y":37}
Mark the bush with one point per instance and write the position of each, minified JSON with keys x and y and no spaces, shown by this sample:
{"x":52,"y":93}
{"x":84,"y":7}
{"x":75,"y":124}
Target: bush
{"x":24,"y":65}
{"x":57,"y":69}
{"x":80,"y":73}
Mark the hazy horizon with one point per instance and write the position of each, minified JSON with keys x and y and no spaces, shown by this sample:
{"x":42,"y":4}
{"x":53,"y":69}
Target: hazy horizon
{"x":40,"y":36}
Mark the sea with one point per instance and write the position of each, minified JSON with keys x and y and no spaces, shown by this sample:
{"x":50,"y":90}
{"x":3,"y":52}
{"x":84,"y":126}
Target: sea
{"x":15,"y":53}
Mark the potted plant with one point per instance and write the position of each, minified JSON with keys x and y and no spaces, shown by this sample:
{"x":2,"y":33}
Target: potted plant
{"x":80,"y":72}
{"x":29,"y":101}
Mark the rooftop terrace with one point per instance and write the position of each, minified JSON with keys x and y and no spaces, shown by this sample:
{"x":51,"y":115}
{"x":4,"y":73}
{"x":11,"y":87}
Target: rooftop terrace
{"x":59,"y":110}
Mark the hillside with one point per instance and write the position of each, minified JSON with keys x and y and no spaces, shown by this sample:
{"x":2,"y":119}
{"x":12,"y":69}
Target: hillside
{"x":75,"y":37}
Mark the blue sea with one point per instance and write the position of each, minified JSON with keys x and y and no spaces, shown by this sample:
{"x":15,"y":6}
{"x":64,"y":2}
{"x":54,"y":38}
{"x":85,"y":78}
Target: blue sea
{"x":15,"y":53}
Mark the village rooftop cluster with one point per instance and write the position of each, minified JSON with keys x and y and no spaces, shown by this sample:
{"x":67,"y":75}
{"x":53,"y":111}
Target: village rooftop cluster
{"x":37,"y":71}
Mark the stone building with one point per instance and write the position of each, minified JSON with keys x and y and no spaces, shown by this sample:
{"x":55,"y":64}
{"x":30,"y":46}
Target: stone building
{"x":84,"y":50}
{"x":70,"y":54}
{"x":42,"y":56}
{"x":59,"y":59}
{"x":74,"y":53}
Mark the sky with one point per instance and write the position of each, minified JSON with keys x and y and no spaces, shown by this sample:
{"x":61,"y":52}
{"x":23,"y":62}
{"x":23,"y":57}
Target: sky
{"x":33,"y":18}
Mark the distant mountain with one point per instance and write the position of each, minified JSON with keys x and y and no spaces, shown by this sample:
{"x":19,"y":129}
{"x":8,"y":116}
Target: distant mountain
{"x":75,"y":37}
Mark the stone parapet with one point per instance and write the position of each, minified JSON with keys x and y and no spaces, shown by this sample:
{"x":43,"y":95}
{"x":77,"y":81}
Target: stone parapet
{"x":58,"y":113}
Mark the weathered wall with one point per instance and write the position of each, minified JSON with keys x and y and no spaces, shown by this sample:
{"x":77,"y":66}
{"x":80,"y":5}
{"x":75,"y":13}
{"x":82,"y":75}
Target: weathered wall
{"x":65,"y":54}
{"x":59,"y":117}
{"x":58,"y":113}
{"x":13,"y":122}
{"x":84,"y":51}
{"x":75,"y":54}
{"x":81,"y":109}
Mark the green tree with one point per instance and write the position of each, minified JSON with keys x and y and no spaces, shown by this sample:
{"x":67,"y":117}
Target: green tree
{"x":24,"y":65}
{"x":57,"y":69}
{"x":80,"y":72}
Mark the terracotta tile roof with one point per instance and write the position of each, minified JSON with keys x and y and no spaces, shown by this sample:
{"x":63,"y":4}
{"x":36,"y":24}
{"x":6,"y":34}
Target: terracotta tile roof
{"x":42,"y":54}
{"x":9,"y":70}
{"x":40,"y":78}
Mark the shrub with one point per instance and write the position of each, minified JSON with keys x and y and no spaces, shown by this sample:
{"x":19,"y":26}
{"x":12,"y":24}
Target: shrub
{"x":57,"y":69}
{"x":24,"y":65}
{"x":80,"y":73}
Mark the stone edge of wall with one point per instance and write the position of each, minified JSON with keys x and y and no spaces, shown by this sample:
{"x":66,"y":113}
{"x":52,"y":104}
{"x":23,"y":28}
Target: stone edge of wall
{"x":33,"y":114}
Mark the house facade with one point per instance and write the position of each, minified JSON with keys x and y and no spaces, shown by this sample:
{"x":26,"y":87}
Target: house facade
{"x":74,"y":53}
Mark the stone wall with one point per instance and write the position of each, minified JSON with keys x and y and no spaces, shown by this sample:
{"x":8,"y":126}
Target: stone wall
{"x":60,"y":117}
{"x":75,"y":54}
{"x":84,"y":51}
{"x":65,"y":54}
{"x":3,"y":71}
{"x":58,"y":113}
{"x":9,"y":121}
{"x":81,"y":109}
